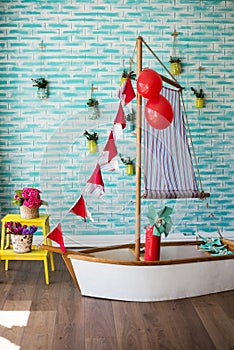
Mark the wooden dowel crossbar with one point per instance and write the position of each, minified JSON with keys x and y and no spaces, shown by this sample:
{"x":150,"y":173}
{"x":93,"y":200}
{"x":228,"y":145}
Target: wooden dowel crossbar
{"x":138,"y":155}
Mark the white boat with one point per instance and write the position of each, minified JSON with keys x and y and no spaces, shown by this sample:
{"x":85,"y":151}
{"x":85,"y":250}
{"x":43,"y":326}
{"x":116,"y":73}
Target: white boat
{"x":120,"y":272}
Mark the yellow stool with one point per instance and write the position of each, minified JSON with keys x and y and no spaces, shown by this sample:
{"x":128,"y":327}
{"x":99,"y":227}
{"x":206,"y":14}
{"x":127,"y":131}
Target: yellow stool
{"x":6,"y":253}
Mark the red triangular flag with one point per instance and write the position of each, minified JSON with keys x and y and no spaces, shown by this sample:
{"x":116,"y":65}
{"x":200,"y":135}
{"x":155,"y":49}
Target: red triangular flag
{"x":128,"y":91}
{"x":57,"y":236}
{"x":81,"y":209}
{"x":111,"y":147}
{"x":107,"y":160}
{"x":96,"y":177}
{"x":120,"y":119}
{"x":95,"y":182}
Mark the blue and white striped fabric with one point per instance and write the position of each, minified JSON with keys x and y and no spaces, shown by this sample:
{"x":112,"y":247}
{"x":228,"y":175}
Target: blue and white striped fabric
{"x":168,"y":168}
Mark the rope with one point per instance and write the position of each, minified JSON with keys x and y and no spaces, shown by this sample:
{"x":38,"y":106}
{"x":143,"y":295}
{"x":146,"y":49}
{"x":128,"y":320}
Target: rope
{"x":192,"y":145}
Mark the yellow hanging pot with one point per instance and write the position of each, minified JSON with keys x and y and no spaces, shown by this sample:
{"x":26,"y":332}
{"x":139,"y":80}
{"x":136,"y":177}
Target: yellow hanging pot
{"x":92,"y":146}
{"x":175,"y":68}
{"x":199,"y":102}
{"x":129,"y":169}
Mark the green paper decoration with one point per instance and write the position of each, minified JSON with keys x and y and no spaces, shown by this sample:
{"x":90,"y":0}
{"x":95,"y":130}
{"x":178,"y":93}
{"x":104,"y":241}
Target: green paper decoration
{"x":161,"y":220}
{"x":214,"y":246}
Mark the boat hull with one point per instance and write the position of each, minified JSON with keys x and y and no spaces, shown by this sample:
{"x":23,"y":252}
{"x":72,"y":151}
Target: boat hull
{"x":103,"y":274}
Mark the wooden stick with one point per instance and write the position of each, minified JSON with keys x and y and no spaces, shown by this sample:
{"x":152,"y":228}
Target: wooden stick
{"x":138,"y":155}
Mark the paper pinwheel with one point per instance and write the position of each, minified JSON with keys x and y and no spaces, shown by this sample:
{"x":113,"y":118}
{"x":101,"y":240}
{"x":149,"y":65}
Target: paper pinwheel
{"x":161,"y":220}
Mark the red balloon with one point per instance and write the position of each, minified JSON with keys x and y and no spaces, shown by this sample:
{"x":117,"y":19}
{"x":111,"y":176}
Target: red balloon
{"x":159,"y":112}
{"x":149,"y":83}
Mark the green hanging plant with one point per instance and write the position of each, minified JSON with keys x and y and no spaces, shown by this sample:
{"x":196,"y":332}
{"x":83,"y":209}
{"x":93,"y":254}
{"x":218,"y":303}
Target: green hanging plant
{"x":131,"y":74}
{"x":174,"y":59}
{"x":92,"y":102}
{"x":91,"y":136}
{"x":198,"y":93}
{"x":40,"y":83}
{"x":127,"y":160}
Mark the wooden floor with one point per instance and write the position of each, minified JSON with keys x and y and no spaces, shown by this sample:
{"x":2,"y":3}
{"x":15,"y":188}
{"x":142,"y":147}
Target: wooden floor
{"x":56,"y":317}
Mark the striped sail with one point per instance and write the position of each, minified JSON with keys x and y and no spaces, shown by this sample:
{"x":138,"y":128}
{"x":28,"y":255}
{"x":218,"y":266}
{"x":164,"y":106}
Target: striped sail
{"x":168,"y":168}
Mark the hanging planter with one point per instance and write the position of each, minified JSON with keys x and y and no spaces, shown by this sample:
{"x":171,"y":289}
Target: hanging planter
{"x":131,"y":119}
{"x":94,"y":112}
{"x":199,"y":97}
{"x":92,"y":141}
{"x":126,"y":73}
{"x":92,"y":146}
{"x":130,"y":169}
{"x":175,"y":65}
{"x":42,"y":88}
{"x":175,"y":61}
{"x":129,"y":164}
{"x":199,"y":102}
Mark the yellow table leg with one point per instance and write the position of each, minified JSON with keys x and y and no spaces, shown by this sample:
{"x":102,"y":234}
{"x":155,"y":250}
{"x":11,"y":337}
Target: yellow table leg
{"x":46,"y":270}
{"x":46,"y":230}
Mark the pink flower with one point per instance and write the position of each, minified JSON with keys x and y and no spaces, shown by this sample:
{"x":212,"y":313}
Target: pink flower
{"x":29,"y":197}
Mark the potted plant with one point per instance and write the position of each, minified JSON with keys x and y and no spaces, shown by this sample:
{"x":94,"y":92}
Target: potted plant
{"x":124,"y":75}
{"x":129,"y":163}
{"x":93,"y":105}
{"x":29,"y":201}
{"x":131,"y":118}
{"x":42,"y":87}
{"x":159,"y":223}
{"x":175,"y":65}
{"x":199,"y":97}
{"x":92,"y":138}
{"x":21,"y":236}
{"x":92,"y":102}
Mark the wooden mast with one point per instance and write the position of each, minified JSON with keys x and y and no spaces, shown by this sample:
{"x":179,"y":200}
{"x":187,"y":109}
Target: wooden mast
{"x":138,"y":154}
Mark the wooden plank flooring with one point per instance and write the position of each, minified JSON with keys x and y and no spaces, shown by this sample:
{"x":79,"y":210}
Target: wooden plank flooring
{"x":56,"y":317}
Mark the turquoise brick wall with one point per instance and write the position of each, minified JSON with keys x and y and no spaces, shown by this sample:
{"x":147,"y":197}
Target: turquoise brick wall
{"x":41,"y":142}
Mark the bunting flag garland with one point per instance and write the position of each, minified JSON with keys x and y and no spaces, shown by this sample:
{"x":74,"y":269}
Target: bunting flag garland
{"x":80,"y":209}
{"x":107,"y":159}
{"x":95,"y":184}
{"x":119,"y":122}
{"x":57,"y":236}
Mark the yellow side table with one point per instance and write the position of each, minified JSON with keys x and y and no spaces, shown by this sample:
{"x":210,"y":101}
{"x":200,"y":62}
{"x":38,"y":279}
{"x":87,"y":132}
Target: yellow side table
{"x":6,"y":253}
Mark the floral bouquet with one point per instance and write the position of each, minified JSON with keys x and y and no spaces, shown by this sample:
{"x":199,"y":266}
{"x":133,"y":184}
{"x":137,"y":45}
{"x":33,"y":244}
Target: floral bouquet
{"x":17,"y":229}
{"x":28,"y":197}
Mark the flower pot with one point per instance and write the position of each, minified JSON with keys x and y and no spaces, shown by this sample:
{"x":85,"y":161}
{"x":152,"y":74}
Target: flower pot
{"x":152,"y":245}
{"x":92,"y":146}
{"x":29,"y":213}
{"x":21,"y":243}
{"x":175,"y":68}
{"x":199,"y":102}
{"x":129,"y":169}
{"x":42,"y":93}
{"x":94,"y":112}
